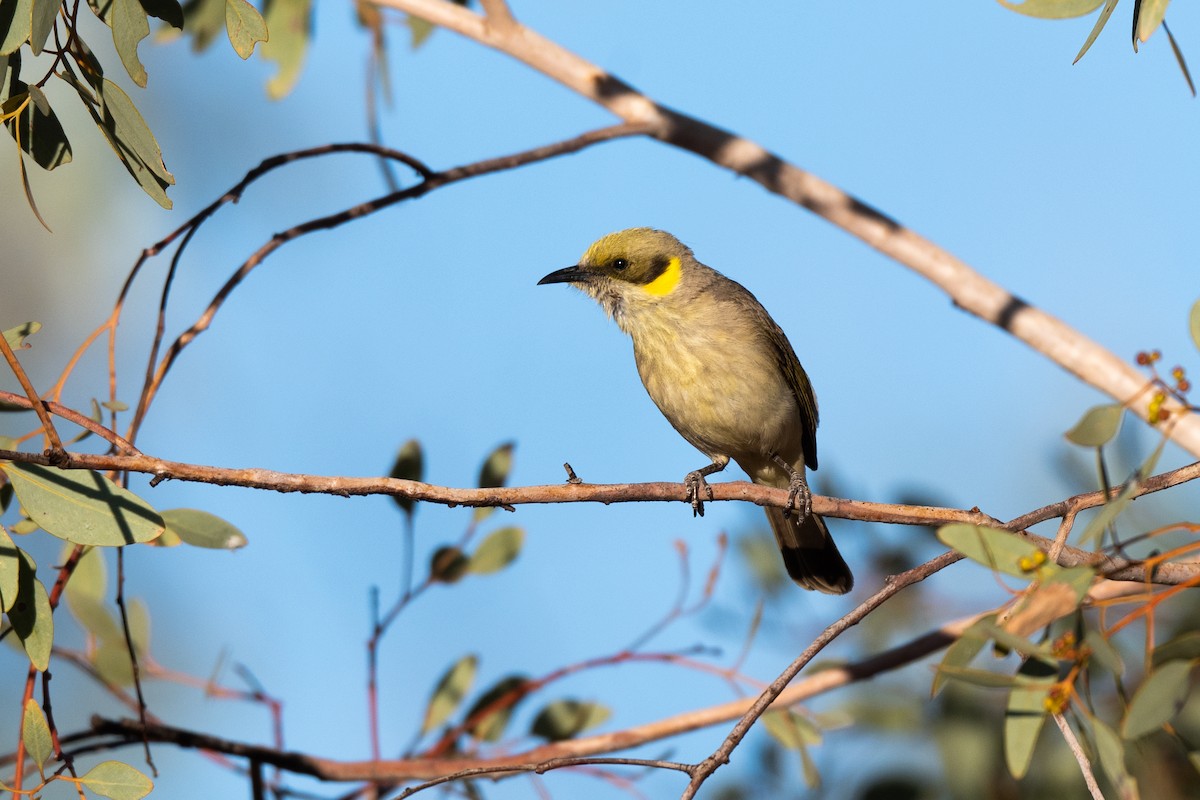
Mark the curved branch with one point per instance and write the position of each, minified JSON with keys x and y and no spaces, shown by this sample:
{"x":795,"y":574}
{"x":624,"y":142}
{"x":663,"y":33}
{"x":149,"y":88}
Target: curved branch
{"x":968,"y":289}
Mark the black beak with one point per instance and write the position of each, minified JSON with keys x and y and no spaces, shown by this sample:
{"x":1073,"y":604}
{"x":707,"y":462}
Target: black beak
{"x":575,"y":274}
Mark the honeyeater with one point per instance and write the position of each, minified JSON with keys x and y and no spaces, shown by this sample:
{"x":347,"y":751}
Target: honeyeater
{"x":724,"y":375}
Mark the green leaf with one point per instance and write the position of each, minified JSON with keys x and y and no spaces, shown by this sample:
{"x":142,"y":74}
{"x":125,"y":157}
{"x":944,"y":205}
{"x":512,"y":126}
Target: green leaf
{"x":994,"y":548}
{"x":1053,"y":9}
{"x":566,"y":719}
{"x":16,"y":336}
{"x":245,"y":27}
{"x":16,"y":23}
{"x":1026,"y":714}
{"x":1104,"y":653}
{"x":449,"y":692}
{"x":129,"y":26}
{"x":1158,"y":699}
{"x":1111,"y":751}
{"x":31,"y":616}
{"x":980,"y":677}
{"x":419,"y":30}
{"x":409,"y":466}
{"x":1098,"y":426}
{"x":499,"y":702}
{"x":169,"y":11}
{"x":793,"y":731}
{"x":82,"y":506}
{"x":960,"y":654}
{"x":10,"y":567}
{"x":1101,"y":21}
{"x":494,"y":473}
{"x":117,"y":781}
{"x":290,"y":25}
{"x":203,"y":19}
{"x":497,"y":551}
{"x":1010,"y":642}
{"x":111,"y":657}
{"x":1194,"y":323}
{"x":1185,"y":646}
{"x":41,"y":23}
{"x":448,"y":565}
{"x":39,"y":131}
{"x":35,"y":733}
{"x":131,"y":139}
{"x":85,"y":598}
{"x":1149,"y":16}
{"x":202,"y":529}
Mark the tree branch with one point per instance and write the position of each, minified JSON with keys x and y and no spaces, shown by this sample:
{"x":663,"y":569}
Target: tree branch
{"x":967,"y":288}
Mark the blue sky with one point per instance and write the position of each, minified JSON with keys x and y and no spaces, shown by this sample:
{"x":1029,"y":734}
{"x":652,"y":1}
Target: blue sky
{"x":1073,"y":186}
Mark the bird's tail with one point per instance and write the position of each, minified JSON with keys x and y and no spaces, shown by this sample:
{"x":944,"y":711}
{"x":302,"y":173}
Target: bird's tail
{"x":811,"y":557}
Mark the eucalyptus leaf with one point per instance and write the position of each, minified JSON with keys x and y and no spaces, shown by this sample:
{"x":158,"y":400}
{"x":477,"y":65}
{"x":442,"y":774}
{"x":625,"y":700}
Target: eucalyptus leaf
{"x":1098,"y":426}
{"x":497,"y":551}
{"x":1158,"y":699}
{"x":10,"y":567}
{"x":82,"y":506}
{"x":131,"y":139}
{"x":169,"y":11}
{"x":203,"y":19}
{"x":1194,"y":323}
{"x":37,"y":128}
{"x":962,"y":652}
{"x":35,"y":734}
{"x":566,"y":719}
{"x":16,"y":23}
{"x":117,"y":781}
{"x":129,"y":27}
{"x":244,"y":26}
{"x":1053,"y":9}
{"x":1117,"y":505}
{"x":42,"y":19}
{"x":450,"y":692}
{"x":1101,"y":21}
{"x":448,"y":565}
{"x":793,"y":731}
{"x":494,"y":473}
{"x":1111,"y":751}
{"x":492,"y":711}
{"x":994,"y":548}
{"x":290,"y":24}
{"x":1149,"y":17}
{"x":409,"y":466}
{"x":1026,"y":715}
{"x":202,"y":529}
{"x":31,"y":616}
{"x":1185,"y":647}
{"x":17,"y":335}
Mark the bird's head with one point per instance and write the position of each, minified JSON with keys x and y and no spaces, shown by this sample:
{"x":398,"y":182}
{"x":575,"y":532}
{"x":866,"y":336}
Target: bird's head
{"x":628,"y":269}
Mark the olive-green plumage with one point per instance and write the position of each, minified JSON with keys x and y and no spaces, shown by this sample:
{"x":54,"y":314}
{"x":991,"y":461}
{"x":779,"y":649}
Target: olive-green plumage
{"x":724,"y":375}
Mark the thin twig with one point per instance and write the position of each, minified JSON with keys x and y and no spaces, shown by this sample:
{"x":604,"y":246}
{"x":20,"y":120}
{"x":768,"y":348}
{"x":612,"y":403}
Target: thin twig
{"x":1081,"y":758}
{"x":35,"y":402}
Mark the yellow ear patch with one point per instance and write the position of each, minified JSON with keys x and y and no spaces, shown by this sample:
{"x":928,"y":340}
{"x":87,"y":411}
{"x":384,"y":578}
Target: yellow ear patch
{"x":665,"y":284}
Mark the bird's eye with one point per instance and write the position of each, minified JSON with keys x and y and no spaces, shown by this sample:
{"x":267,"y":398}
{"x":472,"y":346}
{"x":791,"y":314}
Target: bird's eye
{"x":619,"y":264}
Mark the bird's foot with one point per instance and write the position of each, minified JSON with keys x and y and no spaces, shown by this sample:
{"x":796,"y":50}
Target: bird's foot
{"x":696,"y":484}
{"x":799,"y":497}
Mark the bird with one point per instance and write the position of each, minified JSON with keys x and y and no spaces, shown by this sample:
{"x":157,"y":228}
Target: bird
{"x":724,"y":375}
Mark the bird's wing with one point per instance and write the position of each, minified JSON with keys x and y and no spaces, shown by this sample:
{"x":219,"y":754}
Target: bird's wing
{"x":806,"y":399}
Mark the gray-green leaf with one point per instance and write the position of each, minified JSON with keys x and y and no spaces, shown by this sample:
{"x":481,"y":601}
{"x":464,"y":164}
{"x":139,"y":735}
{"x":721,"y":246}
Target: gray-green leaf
{"x":566,"y":719}
{"x":82,"y":506}
{"x":31,"y":616}
{"x":245,"y":26}
{"x":290,"y":25}
{"x":1098,"y":426}
{"x":1158,"y":699}
{"x":497,"y":551}
{"x":202,"y":529}
{"x":449,"y":692}
{"x":35,"y":733}
{"x":118,"y":781}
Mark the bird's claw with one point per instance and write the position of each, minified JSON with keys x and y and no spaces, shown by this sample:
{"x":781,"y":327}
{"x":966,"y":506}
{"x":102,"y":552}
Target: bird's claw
{"x":696,"y":484}
{"x":799,"y":498}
